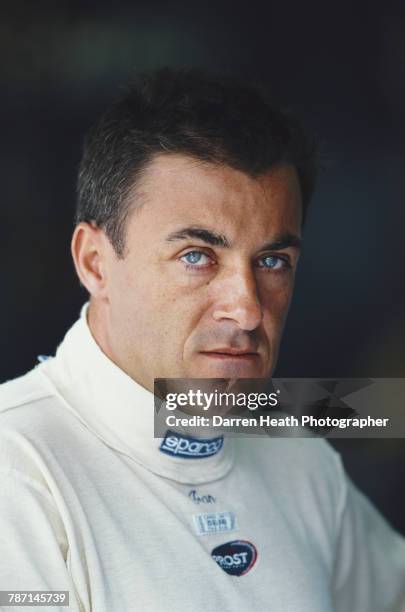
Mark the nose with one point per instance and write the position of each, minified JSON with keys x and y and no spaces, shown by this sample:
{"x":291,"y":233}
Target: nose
{"x":238,"y":299}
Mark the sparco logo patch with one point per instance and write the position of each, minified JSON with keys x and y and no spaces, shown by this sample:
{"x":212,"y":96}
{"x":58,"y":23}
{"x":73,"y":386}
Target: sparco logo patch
{"x":190,"y":448}
{"x":235,"y":558}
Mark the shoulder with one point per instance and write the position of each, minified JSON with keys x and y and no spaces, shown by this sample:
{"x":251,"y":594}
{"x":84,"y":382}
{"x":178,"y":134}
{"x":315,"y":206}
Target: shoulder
{"x":34,"y":424}
{"x":26,"y":389}
{"x":29,"y":404}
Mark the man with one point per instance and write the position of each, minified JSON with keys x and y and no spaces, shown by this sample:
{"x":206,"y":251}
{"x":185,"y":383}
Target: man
{"x":192,"y":195}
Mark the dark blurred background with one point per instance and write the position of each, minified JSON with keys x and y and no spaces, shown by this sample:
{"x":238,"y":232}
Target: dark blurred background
{"x":340,"y":65}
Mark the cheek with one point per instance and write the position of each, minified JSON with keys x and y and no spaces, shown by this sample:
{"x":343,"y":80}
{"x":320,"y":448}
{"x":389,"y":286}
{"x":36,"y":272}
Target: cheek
{"x":160,"y":317}
{"x":275,"y":304}
{"x":129,"y":293}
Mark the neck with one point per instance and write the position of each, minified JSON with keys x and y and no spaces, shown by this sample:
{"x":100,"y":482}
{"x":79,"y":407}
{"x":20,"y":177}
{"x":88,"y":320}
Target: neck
{"x":99,"y":322}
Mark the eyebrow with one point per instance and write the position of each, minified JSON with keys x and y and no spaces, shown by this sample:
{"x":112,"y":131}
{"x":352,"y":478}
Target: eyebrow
{"x":200,"y":233}
{"x":283,"y":241}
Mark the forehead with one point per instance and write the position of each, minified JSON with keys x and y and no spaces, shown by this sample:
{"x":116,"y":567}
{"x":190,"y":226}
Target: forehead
{"x":177,"y":190}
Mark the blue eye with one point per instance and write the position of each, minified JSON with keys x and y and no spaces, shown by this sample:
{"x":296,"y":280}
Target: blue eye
{"x":195,"y":258}
{"x":272,"y":262}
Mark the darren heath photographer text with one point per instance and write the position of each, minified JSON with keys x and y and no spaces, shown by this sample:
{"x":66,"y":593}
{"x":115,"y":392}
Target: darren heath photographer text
{"x":269,"y":421}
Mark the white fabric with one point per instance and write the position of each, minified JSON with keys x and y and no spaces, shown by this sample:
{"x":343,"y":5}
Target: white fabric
{"x":89,"y":504}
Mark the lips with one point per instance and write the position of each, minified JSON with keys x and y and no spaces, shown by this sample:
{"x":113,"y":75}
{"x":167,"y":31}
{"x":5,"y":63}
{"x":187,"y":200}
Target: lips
{"x":229,"y":352}
{"x":226,"y":362}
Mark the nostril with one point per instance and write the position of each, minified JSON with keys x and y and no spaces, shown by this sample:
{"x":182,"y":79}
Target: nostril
{"x":247,"y":316}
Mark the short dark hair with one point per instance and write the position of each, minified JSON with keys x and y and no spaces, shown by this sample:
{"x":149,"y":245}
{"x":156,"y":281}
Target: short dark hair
{"x":213,"y":118}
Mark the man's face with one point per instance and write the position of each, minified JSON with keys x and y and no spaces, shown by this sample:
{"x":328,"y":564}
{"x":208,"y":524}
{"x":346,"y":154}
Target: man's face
{"x":206,"y":281}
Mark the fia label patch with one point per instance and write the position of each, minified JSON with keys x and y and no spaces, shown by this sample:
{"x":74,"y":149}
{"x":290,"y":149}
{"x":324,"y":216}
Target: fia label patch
{"x":235,"y":558}
{"x":214,"y":522}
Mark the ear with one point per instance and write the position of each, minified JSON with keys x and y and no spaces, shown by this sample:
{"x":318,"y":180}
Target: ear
{"x":89,"y":249}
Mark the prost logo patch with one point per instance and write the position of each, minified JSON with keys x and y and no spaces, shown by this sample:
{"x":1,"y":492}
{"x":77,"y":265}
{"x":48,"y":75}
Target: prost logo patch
{"x":235,"y":558}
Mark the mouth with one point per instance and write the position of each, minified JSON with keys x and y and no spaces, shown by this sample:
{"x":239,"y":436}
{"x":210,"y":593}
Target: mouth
{"x":231,"y":354}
